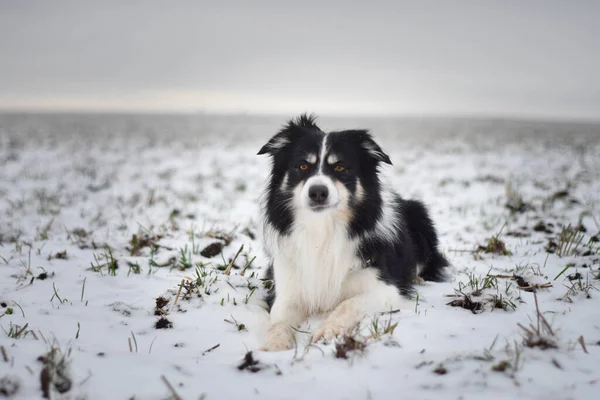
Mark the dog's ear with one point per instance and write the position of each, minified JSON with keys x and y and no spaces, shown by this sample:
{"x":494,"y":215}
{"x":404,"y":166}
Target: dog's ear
{"x":277,"y":142}
{"x":294,"y":129}
{"x":367,"y":143}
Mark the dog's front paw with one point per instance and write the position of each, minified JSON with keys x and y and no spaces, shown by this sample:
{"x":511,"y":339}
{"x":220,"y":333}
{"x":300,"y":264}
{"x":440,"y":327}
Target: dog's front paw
{"x":276,"y":346}
{"x":330,"y":330}
{"x":419,"y":280}
{"x":280,"y":337}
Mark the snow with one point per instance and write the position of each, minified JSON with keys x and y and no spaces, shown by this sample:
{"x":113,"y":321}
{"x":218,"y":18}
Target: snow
{"x":167,"y":176}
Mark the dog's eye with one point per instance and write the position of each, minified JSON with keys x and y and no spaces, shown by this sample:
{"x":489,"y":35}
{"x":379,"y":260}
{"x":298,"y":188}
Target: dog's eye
{"x":303,"y":167}
{"x":340,"y":168}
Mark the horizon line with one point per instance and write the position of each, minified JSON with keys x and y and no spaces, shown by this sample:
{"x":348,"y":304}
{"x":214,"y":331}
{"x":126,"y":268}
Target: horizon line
{"x":503,"y":116}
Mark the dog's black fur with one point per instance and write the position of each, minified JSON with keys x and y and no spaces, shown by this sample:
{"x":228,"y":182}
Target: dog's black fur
{"x":411,"y":251}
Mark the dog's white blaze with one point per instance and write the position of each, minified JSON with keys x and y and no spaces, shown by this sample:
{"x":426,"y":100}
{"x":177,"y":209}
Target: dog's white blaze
{"x":323,"y":153}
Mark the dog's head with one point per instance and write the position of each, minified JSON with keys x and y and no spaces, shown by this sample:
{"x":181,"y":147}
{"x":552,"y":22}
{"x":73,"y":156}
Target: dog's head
{"x":323,"y":172}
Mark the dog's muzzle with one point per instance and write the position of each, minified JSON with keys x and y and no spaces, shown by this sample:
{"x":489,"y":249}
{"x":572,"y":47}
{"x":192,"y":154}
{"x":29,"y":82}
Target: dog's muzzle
{"x":319,"y":193}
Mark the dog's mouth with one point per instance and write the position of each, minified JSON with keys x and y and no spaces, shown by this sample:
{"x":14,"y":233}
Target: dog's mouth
{"x":322,"y":207}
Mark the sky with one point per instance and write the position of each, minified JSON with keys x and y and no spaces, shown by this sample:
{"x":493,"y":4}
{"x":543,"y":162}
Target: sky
{"x":492,"y":58}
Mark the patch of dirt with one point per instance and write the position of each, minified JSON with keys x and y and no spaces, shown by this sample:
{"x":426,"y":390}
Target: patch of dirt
{"x":163,"y":323}
{"x":42,"y":276}
{"x":440,"y":370}
{"x":161,"y":302}
{"x":465,"y":302}
{"x":575,"y":276}
{"x":494,"y":246}
{"x":525,"y":284}
{"x":423,"y":364}
{"x":521,"y":281}
{"x":515,"y":202}
{"x":519,"y":207}
{"x":490,"y":178}
{"x":80,"y":237}
{"x":212,"y":249}
{"x":348,"y":344}
{"x":61,"y":255}
{"x":540,"y":342}
{"x":541,"y":226}
{"x":249,"y":233}
{"x":137,"y":243}
{"x":551,"y":247}
{"x":501,"y":366}
{"x":54,"y":373}
{"x":249,"y":363}
{"x":539,"y":334}
{"x":563,"y":195}
{"x":124,"y":309}
{"x":518,"y":234}
{"x":79,"y":232}
{"x":9,"y":386}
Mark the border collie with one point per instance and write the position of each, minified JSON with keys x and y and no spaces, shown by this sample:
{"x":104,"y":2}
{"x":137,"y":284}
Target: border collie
{"x":338,"y":240}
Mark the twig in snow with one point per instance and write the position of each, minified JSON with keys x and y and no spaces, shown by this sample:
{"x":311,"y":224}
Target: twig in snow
{"x":178,"y":292}
{"x":176,"y":396}
{"x":228,"y":269}
{"x":582,"y":343}
{"x":5,"y":357}
{"x":246,"y":266}
{"x":211,"y":349}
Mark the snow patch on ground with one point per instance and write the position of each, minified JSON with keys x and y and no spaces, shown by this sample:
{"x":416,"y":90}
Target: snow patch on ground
{"x":78,"y":289}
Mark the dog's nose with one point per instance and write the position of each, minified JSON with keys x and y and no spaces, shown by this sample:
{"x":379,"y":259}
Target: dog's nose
{"x":318,"y":193}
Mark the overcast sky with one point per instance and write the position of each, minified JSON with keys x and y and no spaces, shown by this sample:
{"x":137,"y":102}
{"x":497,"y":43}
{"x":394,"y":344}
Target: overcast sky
{"x":523,"y":58}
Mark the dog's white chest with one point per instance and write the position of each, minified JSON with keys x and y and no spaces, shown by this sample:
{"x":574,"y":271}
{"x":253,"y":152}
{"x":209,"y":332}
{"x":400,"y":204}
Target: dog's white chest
{"x":314,"y":261}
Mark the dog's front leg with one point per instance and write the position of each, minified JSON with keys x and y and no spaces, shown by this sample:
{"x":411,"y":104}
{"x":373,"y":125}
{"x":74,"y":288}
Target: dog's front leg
{"x":342,"y":319}
{"x":365,"y":295}
{"x":286,"y":314}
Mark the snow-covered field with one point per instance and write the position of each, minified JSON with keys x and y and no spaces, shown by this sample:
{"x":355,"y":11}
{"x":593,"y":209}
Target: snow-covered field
{"x":105,"y":293}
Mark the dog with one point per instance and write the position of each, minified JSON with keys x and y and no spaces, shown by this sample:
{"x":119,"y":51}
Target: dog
{"x":338,"y":240}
